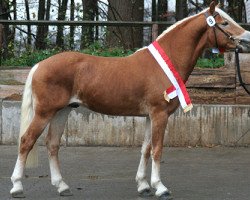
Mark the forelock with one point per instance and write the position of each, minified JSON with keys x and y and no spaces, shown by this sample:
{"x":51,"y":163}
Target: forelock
{"x":226,"y":16}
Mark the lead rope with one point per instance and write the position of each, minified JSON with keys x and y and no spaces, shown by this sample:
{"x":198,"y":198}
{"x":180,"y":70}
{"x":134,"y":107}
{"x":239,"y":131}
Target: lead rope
{"x":237,"y":62}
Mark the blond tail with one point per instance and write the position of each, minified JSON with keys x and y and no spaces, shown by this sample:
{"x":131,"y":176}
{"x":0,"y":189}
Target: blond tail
{"x":27,"y":116}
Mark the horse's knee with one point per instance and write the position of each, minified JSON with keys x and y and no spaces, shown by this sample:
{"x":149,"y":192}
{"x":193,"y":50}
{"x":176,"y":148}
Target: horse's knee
{"x":156,"y":153}
{"x":52,"y":147}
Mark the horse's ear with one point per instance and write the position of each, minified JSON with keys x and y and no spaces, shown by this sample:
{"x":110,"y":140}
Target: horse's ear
{"x":212,"y":7}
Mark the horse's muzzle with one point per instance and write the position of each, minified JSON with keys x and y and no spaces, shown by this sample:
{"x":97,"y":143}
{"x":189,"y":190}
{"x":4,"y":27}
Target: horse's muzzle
{"x":243,"y":42}
{"x":244,"y":46}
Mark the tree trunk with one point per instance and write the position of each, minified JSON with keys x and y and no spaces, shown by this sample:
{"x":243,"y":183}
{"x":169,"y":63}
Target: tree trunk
{"x":154,"y":11}
{"x":162,"y":13}
{"x":235,"y":9}
{"x":40,"y":35}
{"x":124,"y":10}
{"x":72,"y":28}
{"x":14,"y":8}
{"x":61,"y":16}
{"x":47,"y":17}
{"x":4,"y":30}
{"x":12,"y":30}
{"x":240,"y":10}
{"x":28,"y":18}
{"x":206,"y":2}
{"x":181,"y":9}
{"x":90,"y":10}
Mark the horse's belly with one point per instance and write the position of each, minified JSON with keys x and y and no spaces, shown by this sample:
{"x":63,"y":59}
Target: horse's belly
{"x":115,"y":106}
{"x":120,"y":109}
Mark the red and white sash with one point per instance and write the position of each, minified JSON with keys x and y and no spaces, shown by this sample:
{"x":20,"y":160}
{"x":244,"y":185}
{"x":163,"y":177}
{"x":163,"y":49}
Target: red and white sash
{"x":178,"y":87}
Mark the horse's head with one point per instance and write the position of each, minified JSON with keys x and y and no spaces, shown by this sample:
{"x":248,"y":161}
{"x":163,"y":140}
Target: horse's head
{"x":225,"y":32}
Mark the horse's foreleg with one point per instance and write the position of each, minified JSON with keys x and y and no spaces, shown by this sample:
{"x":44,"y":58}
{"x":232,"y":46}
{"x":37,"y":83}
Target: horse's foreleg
{"x":159,"y":122}
{"x":53,"y":138}
{"x":27,"y":142}
{"x":142,"y":185}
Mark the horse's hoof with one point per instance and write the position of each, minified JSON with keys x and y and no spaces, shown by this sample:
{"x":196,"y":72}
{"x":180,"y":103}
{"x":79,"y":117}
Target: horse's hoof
{"x":18,"y":194}
{"x":165,"y":196}
{"x":66,"y":192}
{"x":146,"y":193}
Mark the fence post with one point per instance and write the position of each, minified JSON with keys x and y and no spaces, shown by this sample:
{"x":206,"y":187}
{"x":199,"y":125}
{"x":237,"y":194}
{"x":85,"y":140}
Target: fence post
{"x":154,"y":31}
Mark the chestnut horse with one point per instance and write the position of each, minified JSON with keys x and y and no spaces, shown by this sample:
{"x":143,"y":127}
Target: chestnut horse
{"x":128,"y":86}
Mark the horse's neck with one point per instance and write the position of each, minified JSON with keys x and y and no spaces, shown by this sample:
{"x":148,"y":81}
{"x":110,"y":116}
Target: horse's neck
{"x":185,"y":43}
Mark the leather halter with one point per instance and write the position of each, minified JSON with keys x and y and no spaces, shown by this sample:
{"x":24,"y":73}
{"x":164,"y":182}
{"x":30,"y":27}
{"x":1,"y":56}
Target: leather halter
{"x":237,"y":50}
{"x":237,"y":41}
{"x":216,"y":26}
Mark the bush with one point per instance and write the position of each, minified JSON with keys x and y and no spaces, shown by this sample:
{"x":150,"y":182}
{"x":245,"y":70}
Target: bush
{"x":30,"y":58}
{"x":216,"y":62}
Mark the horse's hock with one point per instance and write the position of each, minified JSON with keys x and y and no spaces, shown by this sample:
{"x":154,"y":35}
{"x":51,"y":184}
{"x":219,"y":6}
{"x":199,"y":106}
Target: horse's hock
{"x":221,"y":115}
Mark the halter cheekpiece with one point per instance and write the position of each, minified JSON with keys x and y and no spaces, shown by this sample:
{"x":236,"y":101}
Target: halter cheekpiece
{"x":212,"y":23}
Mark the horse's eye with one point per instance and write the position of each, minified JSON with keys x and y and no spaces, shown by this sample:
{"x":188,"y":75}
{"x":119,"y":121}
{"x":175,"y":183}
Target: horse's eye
{"x":225,"y":23}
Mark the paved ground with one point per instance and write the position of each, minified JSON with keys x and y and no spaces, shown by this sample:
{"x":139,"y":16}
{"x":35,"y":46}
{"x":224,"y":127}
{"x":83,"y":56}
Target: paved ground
{"x":108,"y":173}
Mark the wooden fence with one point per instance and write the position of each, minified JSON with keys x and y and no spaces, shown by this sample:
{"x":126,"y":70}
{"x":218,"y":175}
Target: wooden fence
{"x":221,"y":85}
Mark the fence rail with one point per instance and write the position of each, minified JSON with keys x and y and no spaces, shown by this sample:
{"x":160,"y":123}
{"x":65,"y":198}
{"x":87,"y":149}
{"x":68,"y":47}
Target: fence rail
{"x":82,"y":23}
{"x":93,"y":23}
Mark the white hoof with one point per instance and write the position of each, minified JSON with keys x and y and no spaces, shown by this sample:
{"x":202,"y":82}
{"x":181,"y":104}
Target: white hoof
{"x":161,"y":190}
{"x":142,"y":186}
{"x":66,"y":193}
{"x":17,"y":190}
{"x":62,"y":187}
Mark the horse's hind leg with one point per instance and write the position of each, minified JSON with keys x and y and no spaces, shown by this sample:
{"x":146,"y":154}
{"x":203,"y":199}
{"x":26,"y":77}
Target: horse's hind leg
{"x":142,"y":185}
{"x":53,"y":139}
{"x":27,"y":142}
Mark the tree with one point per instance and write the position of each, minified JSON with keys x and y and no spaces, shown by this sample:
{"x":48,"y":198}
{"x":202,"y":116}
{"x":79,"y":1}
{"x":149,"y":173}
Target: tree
{"x":4,"y":30}
{"x":72,"y":28}
{"x":47,"y":17}
{"x":206,"y":2}
{"x":28,"y":18}
{"x":181,"y":9}
{"x":125,"y":10}
{"x":90,"y":11}
{"x":61,"y":16}
{"x":159,"y":10}
{"x":40,"y":35}
{"x":235,"y":9}
{"x":160,"y":13}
